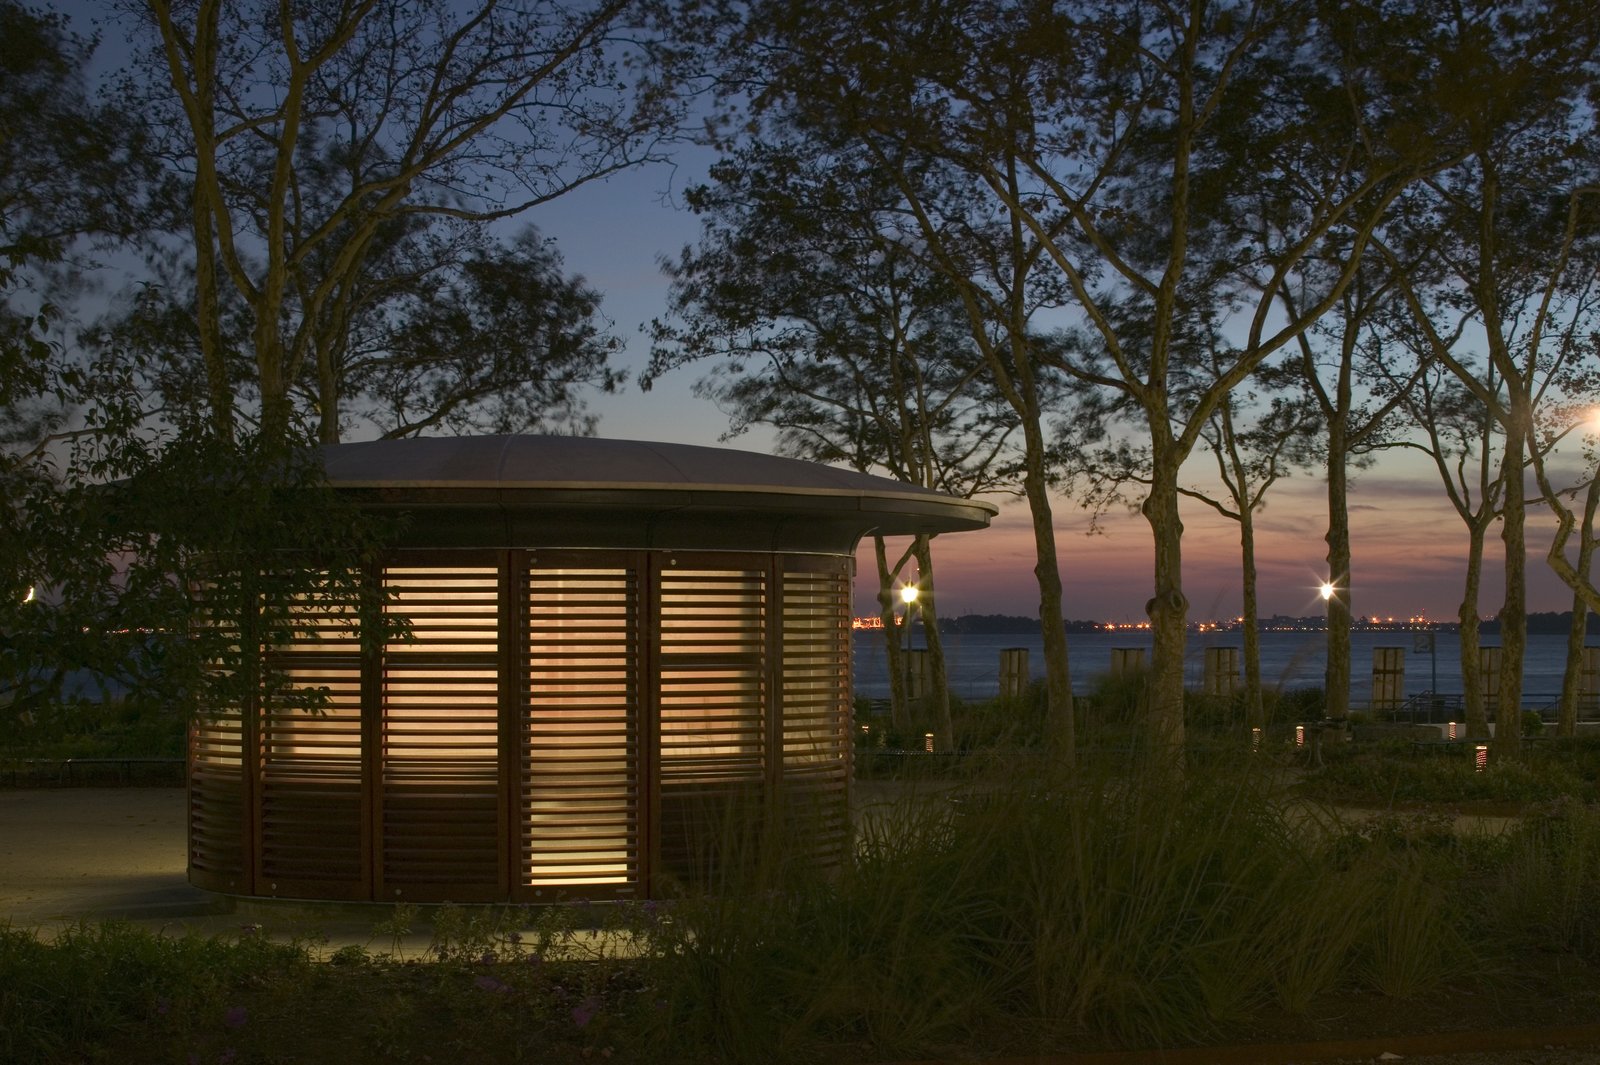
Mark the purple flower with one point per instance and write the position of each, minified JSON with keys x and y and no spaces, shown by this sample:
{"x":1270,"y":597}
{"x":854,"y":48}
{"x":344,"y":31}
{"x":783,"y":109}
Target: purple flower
{"x":584,"y":1011}
{"x":235,"y":1017}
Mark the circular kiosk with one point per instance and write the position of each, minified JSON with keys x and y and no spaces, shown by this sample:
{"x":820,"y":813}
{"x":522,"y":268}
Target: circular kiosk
{"x":620,"y":655}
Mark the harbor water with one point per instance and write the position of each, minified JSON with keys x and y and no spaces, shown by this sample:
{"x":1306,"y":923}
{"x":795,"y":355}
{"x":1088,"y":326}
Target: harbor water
{"x":1289,"y":660}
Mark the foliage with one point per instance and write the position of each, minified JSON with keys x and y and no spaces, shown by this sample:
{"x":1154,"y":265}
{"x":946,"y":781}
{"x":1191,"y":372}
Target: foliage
{"x":1118,"y":908}
{"x":162,"y":569}
{"x":1389,"y":775}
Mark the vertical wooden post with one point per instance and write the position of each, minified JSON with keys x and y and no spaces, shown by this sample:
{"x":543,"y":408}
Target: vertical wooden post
{"x":1013,"y":672}
{"x":1388,"y":677}
{"x":1127,"y":661}
{"x":919,"y":674}
{"x":1489,"y":662}
{"x":1222,"y":670}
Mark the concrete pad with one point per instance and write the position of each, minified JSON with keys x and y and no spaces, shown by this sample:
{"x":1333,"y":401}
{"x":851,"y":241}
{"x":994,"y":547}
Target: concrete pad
{"x":69,"y":855}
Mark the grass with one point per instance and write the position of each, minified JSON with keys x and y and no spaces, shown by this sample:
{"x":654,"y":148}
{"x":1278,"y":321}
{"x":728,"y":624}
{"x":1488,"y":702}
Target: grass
{"x":1114,"y":907}
{"x":1025,"y":911}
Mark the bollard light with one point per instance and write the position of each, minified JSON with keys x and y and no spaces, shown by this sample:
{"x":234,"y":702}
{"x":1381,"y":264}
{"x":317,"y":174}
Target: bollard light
{"x":927,"y":742}
{"x":1299,"y":735}
{"x":1481,"y":758}
{"x":1450,"y":730}
{"x":1255,"y":739}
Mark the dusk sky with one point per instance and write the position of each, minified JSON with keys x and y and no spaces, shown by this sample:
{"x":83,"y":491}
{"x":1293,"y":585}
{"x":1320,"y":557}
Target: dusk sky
{"x":1409,"y":544}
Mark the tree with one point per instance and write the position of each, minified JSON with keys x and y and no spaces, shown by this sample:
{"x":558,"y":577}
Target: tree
{"x":1502,"y":226}
{"x":824,"y":327}
{"x":73,"y":176}
{"x":430,"y":111}
{"x":1350,"y":372}
{"x":502,"y":341}
{"x":1169,"y":167}
{"x":1459,"y":436}
{"x":1252,"y":454}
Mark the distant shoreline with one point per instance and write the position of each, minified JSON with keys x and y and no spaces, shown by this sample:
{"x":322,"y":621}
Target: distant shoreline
{"x":1547,"y":623}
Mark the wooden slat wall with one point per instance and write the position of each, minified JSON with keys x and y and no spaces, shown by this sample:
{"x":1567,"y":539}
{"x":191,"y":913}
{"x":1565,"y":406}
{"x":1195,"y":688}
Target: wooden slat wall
{"x":711,"y":679}
{"x":631,"y":717}
{"x":814,"y":704}
{"x":309,"y":796}
{"x":220,"y":811}
{"x":440,"y":831}
{"x":218,"y":814}
{"x":578,"y":809}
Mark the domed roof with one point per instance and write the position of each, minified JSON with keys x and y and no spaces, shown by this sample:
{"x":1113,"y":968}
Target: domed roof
{"x":677,"y":495}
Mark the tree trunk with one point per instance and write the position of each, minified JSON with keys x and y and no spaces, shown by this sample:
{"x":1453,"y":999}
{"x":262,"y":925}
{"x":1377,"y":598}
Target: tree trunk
{"x":1254,"y":709}
{"x":1062,"y":739}
{"x":938,"y":705}
{"x":899,"y":711}
{"x":1471,"y":660}
{"x":1514,"y":612}
{"x":1336,"y":678}
{"x":327,"y":393}
{"x":1572,"y":674}
{"x":1168,"y":611}
{"x":1572,"y":671}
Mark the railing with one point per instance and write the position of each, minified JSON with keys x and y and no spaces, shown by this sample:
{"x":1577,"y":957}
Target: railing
{"x":71,"y":772}
{"x":1437,"y":708}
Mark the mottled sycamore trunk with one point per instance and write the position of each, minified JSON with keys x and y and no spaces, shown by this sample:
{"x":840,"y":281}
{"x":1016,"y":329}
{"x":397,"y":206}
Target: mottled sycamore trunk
{"x":899,"y":710}
{"x":1471,"y":660}
{"x":1514,"y":613}
{"x":327,"y":395}
{"x":1168,"y":611}
{"x":1062,"y":739}
{"x":937,"y":709}
{"x":1336,"y":679}
{"x":1254,"y":709}
{"x":1572,"y":674}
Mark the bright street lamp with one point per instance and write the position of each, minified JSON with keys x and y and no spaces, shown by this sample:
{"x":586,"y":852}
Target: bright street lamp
{"x":908,"y":596}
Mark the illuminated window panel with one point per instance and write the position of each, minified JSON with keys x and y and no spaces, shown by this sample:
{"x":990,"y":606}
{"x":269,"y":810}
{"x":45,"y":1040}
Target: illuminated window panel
{"x":814,"y":710}
{"x":815,"y":679}
{"x":712,"y":674}
{"x":711,"y":696}
{"x":579,"y":804}
{"x":439,"y":765}
{"x":310,"y":777}
{"x":217,"y":813}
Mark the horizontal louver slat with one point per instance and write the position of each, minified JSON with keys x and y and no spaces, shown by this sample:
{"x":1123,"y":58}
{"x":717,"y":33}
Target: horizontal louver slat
{"x":579,"y":804}
{"x":440,"y":757}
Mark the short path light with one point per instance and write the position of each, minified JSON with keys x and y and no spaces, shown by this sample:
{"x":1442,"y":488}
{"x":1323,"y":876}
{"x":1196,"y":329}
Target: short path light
{"x":1481,"y":758}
